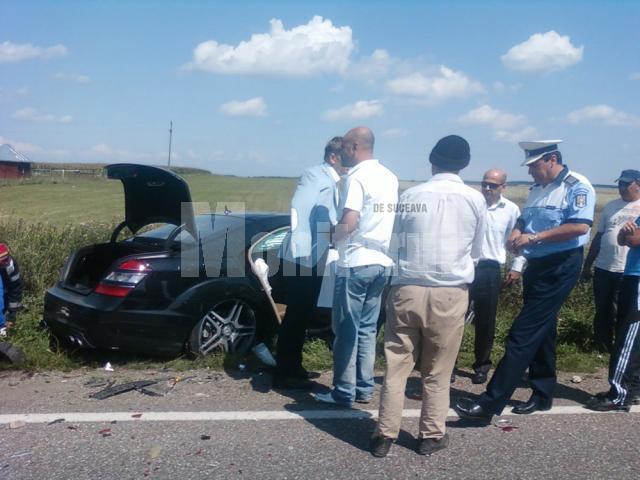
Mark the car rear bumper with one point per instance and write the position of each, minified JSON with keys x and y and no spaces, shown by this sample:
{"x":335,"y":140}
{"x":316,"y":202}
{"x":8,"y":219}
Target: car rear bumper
{"x":90,"y":321}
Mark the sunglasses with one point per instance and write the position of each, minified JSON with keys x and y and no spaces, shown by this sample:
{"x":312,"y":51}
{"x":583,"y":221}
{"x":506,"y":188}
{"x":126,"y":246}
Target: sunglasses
{"x":490,"y":186}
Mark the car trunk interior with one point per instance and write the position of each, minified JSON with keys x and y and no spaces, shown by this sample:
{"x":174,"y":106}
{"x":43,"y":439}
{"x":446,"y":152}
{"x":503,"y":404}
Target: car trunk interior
{"x":89,"y":265}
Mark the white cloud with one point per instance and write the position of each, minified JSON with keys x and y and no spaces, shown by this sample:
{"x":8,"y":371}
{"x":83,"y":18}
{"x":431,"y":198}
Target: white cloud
{"x":30,"y":114}
{"x":313,"y":48}
{"x":7,"y":95}
{"x":13,"y":52}
{"x":605,"y":115}
{"x":254,"y":107}
{"x":377,"y":65}
{"x":72,"y":77}
{"x":444,"y":84}
{"x":543,"y":53}
{"x":500,"y":87}
{"x":507,"y":127}
{"x":355,"y":111}
{"x":634,"y":76}
{"x":394,"y":133}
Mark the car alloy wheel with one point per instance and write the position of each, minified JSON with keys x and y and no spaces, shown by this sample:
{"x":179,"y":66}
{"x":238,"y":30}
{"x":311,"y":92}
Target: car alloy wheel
{"x":229,"y":325}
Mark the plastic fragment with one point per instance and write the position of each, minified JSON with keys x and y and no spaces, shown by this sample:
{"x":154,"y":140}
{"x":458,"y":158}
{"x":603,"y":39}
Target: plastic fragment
{"x":205,"y":437}
{"x":105,"y":432}
{"x":57,"y":420}
{"x":108,"y":367}
{"x":16,"y":424}
{"x":136,"y":415}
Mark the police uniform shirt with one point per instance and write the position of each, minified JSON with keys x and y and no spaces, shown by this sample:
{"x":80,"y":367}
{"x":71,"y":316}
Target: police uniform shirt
{"x":570,"y":198}
{"x":501,"y":218}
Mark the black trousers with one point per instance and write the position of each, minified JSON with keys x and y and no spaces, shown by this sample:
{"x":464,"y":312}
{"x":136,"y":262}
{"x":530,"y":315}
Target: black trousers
{"x":531,"y":342}
{"x":484,"y":293}
{"x":624,"y":365}
{"x":302,"y":292}
{"x":606,"y":288}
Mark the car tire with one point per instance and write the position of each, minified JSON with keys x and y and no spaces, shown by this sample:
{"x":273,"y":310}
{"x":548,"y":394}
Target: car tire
{"x":229,"y":326}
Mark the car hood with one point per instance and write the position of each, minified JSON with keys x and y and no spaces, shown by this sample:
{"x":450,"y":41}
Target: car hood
{"x":153,"y":195}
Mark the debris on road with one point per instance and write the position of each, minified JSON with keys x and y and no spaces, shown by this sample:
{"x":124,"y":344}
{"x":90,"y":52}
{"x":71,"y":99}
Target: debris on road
{"x":505,"y":425}
{"x":99,"y":382}
{"x":105,"y":432}
{"x":136,"y":415}
{"x":21,"y":454}
{"x":57,"y":420}
{"x":16,"y":424}
{"x":72,"y":427}
{"x":154,"y":452}
{"x":108,"y":367}
{"x":205,"y":437}
{"x":576,"y":379}
{"x":122,"y":388}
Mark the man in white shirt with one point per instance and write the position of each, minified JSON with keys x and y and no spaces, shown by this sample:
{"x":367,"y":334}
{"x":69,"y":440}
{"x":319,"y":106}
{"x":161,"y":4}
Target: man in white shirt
{"x":609,"y":258}
{"x":502,"y":215}
{"x":362,"y":237}
{"x":439,"y":229}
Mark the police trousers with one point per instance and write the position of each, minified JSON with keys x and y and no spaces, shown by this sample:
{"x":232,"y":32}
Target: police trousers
{"x":547,"y":282}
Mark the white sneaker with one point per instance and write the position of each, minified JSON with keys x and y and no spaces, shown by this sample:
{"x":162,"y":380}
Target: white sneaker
{"x":264,"y":355}
{"x":3,"y":332}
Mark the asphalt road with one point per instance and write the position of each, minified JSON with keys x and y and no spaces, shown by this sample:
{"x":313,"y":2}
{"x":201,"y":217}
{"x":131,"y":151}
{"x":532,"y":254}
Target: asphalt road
{"x":245,"y":435}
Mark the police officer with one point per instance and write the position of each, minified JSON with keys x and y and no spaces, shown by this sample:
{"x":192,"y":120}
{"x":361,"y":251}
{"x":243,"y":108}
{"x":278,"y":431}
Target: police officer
{"x":551,"y":232}
{"x":11,"y":288}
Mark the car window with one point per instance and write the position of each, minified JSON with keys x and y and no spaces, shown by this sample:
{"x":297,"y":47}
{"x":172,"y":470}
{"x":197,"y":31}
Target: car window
{"x":270,"y":243}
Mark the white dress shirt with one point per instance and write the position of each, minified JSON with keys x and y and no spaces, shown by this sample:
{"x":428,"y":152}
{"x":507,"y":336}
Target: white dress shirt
{"x":439,"y":232}
{"x":501,"y":218}
{"x":372,"y":190}
{"x":612,"y":257}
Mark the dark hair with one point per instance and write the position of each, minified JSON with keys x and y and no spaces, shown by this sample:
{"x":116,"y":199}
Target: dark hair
{"x":557,"y":154}
{"x":333,"y":146}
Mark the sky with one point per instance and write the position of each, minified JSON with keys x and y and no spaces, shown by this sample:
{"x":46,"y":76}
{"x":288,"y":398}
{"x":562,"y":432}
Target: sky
{"x":258,"y":88}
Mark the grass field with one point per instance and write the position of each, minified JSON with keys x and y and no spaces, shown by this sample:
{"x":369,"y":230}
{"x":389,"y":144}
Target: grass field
{"x":43,"y":220}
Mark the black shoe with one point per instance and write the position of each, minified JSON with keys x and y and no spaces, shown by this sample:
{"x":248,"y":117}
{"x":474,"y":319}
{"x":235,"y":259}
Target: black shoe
{"x":534,"y":404}
{"x":380,"y":446}
{"x":291,"y":383}
{"x":304,"y":373}
{"x":453,"y":377}
{"x":479,"y":378}
{"x":427,"y":446}
{"x":604,"y":404}
{"x":364,"y":400}
{"x":470,"y":410}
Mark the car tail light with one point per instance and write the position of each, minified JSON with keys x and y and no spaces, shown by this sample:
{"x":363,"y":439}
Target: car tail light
{"x":124,"y":278}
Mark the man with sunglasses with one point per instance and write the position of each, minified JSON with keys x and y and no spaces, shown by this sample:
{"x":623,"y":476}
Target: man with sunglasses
{"x":609,"y":258}
{"x":502,"y":215}
{"x":550,"y":233}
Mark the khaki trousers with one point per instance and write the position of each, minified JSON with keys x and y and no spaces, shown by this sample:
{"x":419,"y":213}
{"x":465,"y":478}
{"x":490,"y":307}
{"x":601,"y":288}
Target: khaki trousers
{"x":425,"y":325}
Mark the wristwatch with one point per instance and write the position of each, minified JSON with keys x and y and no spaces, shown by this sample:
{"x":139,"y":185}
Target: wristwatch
{"x":534,"y":239}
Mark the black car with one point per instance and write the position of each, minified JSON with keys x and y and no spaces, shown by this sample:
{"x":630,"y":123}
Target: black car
{"x":188,"y":285}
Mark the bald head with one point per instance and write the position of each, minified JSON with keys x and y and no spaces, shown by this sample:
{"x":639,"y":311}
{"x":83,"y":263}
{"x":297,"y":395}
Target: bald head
{"x":493,"y":184}
{"x":495,"y":175}
{"x":357,"y":145}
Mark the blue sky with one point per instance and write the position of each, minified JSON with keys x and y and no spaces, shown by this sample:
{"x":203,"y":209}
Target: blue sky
{"x":257,"y":88}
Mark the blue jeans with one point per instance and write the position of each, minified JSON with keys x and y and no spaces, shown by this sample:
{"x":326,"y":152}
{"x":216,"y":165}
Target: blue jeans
{"x":356,"y":307}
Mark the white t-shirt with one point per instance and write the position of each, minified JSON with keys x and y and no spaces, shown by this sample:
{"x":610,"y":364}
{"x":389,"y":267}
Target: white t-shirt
{"x":612,"y":257}
{"x":372,"y":190}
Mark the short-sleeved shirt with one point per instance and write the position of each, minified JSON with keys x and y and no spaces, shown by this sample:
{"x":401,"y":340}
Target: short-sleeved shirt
{"x":501,"y":218}
{"x":570,"y":198}
{"x":372,"y":190}
{"x":612,"y":257}
{"x":633,"y":260}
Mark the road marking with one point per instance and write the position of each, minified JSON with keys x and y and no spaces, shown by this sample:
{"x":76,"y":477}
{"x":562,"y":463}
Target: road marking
{"x":98,"y":417}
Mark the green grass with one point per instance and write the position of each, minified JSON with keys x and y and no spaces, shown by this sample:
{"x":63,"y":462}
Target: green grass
{"x":44,"y":221}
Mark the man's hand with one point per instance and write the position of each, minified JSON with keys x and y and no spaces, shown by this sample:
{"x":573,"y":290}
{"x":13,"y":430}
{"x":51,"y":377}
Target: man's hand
{"x":511,"y":278}
{"x":515,"y":234}
{"x":520,"y":242}
{"x":628,"y":229}
{"x":586,"y":274}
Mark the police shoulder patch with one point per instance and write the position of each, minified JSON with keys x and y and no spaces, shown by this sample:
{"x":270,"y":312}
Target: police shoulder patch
{"x":570,"y":180}
{"x":580,"y":200}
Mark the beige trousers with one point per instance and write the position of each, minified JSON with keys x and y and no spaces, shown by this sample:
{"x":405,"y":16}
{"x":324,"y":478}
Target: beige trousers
{"x":425,"y":325}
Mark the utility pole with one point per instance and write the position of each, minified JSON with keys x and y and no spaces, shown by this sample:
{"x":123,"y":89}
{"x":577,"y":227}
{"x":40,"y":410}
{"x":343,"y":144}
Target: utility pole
{"x":170,"y":135}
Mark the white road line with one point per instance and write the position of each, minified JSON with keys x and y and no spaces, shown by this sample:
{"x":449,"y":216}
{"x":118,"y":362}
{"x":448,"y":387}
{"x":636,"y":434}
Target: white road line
{"x":98,"y":417}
